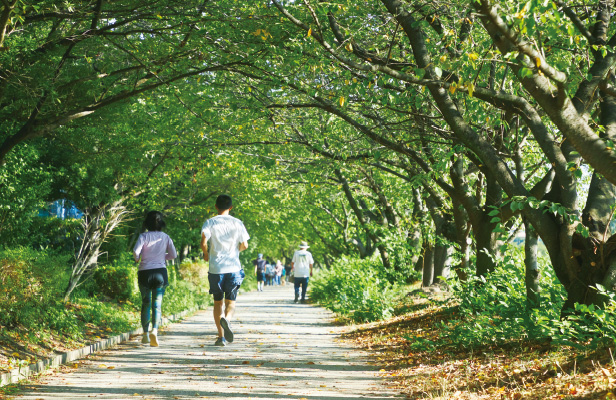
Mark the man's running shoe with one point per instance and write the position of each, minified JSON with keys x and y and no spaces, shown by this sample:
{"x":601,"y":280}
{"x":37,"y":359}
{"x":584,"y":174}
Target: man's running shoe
{"x":227,"y":329}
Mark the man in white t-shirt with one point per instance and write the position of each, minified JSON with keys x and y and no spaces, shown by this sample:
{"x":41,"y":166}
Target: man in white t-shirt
{"x":226,"y":236}
{"x":301,"y":265}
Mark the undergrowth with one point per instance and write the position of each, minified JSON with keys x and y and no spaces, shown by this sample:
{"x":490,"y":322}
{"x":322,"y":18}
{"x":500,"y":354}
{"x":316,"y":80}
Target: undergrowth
{"x":356,"y":289}
{"x":482,"y":311}
{"x":35,"y":322}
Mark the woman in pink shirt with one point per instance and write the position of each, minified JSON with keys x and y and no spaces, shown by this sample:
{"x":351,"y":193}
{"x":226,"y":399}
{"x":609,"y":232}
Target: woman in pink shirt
{"x":151,"y":251}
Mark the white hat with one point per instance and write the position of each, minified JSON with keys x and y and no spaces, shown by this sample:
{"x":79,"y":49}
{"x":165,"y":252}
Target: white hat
{"x":303,"y":245}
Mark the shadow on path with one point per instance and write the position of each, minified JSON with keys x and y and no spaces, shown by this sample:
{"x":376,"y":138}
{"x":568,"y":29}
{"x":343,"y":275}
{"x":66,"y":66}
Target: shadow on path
{"x":282,"y":350}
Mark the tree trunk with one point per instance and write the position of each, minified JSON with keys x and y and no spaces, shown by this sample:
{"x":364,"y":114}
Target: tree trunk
{"x":185,"y":251}
{"x":428,"y":267}
{"x":362,"y":221}
{"x":532,"y":267}
{"x":415,"y":240}
{"x":442,"y":262}
{"x":485,"y":240}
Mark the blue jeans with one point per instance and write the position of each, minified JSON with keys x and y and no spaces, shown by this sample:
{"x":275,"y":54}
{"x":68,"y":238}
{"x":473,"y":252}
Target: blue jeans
{"x":303,"y":282}
{"x":151,"y":299}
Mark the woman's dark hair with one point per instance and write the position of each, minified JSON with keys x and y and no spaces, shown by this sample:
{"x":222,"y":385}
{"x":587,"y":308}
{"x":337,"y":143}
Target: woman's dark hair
{"x":154,"y":221}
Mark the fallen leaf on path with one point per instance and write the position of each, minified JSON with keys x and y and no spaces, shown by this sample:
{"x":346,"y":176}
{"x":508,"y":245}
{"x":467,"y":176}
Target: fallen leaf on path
{"x":246,"y":362}
{"x":310,"y":363}
{"x":112,"y":367}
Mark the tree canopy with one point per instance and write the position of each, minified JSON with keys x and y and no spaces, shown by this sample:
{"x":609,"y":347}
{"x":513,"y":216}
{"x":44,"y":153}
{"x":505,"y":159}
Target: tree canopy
{"x":428,"y":133}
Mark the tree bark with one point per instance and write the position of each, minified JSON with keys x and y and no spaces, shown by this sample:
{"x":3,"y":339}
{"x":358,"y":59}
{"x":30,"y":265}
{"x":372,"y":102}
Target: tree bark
{"x":532,"y":267}
{"x":362,"y":221}
{"x":428,"y":266}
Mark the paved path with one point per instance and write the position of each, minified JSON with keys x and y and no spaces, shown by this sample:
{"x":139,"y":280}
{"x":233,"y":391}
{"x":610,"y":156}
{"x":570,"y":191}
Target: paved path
{"x":281,"y":350}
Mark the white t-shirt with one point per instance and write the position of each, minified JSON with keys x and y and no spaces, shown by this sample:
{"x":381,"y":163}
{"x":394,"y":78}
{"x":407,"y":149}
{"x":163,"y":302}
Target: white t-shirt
{"x":154,"y":248}
{"x":301,"y":263}
{"x":224,"y":234}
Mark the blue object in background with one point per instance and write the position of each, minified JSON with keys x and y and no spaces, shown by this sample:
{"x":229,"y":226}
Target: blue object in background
{"x":62,"y":209}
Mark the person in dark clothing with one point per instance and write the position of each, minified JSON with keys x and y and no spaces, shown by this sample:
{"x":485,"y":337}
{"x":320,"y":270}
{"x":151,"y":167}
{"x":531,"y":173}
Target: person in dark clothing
{"x":259,"y":264}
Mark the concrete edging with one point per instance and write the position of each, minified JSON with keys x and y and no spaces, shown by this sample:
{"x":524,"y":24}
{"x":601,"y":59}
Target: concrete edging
{"x":21,"y":373}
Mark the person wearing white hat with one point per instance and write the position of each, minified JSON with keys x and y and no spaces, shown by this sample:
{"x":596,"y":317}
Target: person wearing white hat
{"x":301,"y":265}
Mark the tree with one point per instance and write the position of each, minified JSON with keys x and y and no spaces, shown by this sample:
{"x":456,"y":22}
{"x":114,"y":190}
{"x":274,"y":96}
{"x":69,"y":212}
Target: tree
{"x":472,"y":93}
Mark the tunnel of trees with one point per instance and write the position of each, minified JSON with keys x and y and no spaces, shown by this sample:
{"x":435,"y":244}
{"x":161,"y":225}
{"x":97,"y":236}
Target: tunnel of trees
{"x":429,"y":135}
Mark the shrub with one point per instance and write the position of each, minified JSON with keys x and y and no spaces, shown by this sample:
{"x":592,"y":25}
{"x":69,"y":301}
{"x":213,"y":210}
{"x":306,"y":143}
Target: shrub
{"x":587,"y":328}
{"x":194,"y":272}
{"x":401,"y":257}
{"x":183,"y":296}
{"x":355,"y":288}
{"x":494,"y":310}
{"x":29,"y":278}
{"x":118,"y":280}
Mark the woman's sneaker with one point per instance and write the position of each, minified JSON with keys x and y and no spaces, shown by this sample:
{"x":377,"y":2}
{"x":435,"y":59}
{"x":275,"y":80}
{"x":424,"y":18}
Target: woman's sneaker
{"x":154,"y":338}
{"x":220,"y":342}
{"x":145,"y":339}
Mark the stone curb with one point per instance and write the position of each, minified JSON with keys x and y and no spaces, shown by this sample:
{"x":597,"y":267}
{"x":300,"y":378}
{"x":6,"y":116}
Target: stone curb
{"x":21,"y":373}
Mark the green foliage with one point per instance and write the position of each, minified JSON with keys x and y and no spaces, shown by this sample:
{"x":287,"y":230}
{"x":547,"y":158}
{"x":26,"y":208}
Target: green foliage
{"x":28,"y":278}
{"x":24,"y":184}
{"x":358,"y":289}
{"x":494,"y":310}
{"x":31,"y":288}
{"x":588,"y":327}
{"x":401,"y":255}
{"x":183,"y":296}
{"x":61,"y":235}
{"x":118,"y":280}
{"x":187,"y":291}
{"x":31,"y":291}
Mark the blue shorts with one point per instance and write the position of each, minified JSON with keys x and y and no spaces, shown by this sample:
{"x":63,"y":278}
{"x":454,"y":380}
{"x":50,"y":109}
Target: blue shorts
{"x":225,"y":285}
{"x":260,"y":276}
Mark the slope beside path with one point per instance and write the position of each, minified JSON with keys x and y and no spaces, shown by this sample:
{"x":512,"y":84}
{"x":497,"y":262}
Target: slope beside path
{"x":281,"y":350}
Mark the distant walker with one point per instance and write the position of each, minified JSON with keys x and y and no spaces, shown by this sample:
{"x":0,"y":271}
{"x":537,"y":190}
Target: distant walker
{"x":301,"y":265}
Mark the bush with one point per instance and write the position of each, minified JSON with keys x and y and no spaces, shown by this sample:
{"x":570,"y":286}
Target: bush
{"x":30,"y":278}
{"x":586,"y":328}
{"x":401,"y":257}
{"x":355,"y":288}
{"x":187,"y":291}
{"x":493,"y":309}
{"x":118,"y":280}
{"x":194,"y":272}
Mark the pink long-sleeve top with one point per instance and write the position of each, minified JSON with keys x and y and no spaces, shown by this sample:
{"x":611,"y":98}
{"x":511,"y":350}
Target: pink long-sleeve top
{"x":154,"y":248}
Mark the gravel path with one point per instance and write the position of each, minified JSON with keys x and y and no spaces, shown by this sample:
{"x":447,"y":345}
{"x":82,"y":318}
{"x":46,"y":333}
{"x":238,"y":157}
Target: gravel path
{"x":281,"y":350}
